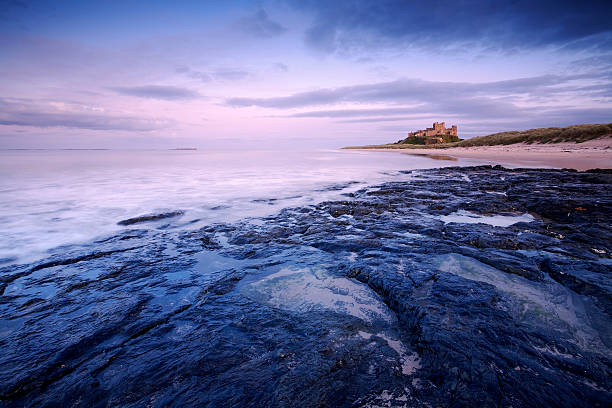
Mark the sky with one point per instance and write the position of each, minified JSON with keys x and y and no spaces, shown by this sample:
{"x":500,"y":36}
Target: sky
{"x":295,"y":73}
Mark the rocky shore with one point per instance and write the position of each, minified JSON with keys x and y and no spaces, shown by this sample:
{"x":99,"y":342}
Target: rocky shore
{"x":477,"y":286}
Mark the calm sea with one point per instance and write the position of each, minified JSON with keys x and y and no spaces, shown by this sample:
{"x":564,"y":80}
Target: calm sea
{"x":50,"y":199}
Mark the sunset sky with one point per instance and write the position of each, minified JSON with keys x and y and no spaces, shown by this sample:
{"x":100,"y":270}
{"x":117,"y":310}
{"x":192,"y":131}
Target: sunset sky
{"x":284,"y":73}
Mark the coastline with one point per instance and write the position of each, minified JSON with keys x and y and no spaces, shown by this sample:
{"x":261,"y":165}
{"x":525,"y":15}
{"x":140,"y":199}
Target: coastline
{"x":403,"y":279}
{"x":578,"y":156}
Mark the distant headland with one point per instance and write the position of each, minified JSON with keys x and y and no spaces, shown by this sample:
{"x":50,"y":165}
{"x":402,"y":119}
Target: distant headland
{"x":579,"y":147}
{"x":432,"y":137}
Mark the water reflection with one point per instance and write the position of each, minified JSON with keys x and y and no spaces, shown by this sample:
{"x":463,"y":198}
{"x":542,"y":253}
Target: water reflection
{"x":435,"y":156}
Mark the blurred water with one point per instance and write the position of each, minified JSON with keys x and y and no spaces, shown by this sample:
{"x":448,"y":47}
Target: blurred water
{"x":61,"y":197}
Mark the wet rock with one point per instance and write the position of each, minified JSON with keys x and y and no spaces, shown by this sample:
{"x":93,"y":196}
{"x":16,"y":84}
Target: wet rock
{"x":372,"y":300}
{"x":152,"y":217}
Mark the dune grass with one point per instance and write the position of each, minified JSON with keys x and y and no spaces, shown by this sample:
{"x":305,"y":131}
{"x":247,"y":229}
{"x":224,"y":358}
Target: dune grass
{"x":577,"y":134}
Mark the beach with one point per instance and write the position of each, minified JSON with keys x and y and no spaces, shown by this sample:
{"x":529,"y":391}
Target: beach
{"x":592,"y":154}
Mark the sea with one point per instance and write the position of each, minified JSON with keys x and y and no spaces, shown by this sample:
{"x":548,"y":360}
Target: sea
{"x":53,"y":200}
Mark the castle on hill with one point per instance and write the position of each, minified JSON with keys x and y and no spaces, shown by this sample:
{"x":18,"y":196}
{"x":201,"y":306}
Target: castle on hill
{"x":436,"y":134}
{"x":438,"y":129}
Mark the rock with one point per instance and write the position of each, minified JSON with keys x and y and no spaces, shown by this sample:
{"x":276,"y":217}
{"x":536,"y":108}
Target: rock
{"x":152,"y":217}
{"x":370,"y":300}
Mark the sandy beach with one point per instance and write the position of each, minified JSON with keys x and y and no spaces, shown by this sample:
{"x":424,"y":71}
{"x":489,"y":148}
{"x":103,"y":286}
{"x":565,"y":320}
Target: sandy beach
{"x":580,"y":156}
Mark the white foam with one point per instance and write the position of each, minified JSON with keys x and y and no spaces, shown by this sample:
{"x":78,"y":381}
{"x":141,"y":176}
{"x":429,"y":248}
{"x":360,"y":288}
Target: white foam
{"x":467,"y":217}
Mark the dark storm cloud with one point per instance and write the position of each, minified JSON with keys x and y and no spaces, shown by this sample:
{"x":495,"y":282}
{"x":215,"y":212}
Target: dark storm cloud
{"x":450,"y":94}
{"x":439,"y":23}
{"x":260,"y":25}
{"x":23,"y":112}
{"x":169,"y":93}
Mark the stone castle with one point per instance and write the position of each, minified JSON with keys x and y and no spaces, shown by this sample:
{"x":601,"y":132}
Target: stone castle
{"x":437,"y":129}
{"x":436,"y":134}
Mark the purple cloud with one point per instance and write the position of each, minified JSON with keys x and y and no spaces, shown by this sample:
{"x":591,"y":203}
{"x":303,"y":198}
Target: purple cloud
{"x":169,"y":93}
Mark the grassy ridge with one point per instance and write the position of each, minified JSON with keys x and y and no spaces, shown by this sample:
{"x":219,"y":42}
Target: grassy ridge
{"x":577,"y":134}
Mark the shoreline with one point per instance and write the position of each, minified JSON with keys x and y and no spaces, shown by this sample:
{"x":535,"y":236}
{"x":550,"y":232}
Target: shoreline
{"x":394,"y":274}
{"x":578,"y":156}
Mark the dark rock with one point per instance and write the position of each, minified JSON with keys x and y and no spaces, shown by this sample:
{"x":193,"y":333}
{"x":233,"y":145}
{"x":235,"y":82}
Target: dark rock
{"x":152,"y":217}
{"x":366,"y":301}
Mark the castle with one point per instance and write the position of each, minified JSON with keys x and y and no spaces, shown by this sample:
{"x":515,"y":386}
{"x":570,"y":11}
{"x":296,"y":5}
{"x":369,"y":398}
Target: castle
{"x":436,"y":134}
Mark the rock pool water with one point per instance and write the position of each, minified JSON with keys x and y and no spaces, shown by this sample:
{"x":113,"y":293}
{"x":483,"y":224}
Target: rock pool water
{"x":307,"y":290}
{"x":374,"y":300}
{"x":498,"y":220}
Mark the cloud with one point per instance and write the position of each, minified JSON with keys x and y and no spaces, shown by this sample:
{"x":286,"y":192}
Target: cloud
{"x":343,"y":113}
{"x":388,"y":119}
{"x":279,"y":66}
{"x":533,"y":118}
{"x":230,"y":74}
{"x":24,"y":112}
{"x":200,"y":76}
{"x":321,"y":97}
{"x":221,"y":74}
{"x":570,"y":115}
{"x":438,"y":24}
{"x":169,"y":93}
{"x":540,"y":101}
{"x":601,"y":62}
{"x":479,"y":126}
{"x":415,"y":91}
{"x":260,"y":25}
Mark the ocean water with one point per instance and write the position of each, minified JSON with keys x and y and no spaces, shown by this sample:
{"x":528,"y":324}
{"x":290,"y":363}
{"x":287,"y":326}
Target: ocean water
{"x":50,"y":199}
